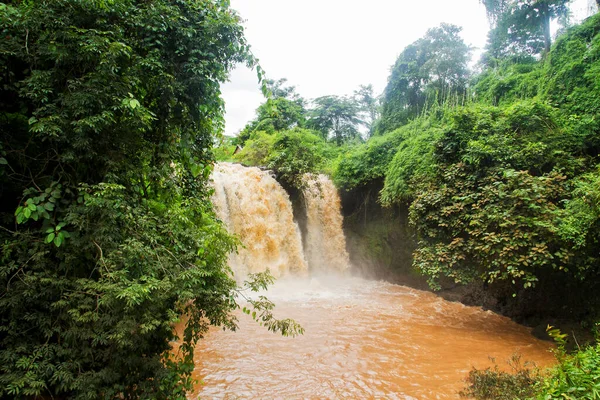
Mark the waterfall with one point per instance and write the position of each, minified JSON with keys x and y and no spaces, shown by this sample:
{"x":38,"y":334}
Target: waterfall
{"x":325,"y":241}
{"x":258,"y":210}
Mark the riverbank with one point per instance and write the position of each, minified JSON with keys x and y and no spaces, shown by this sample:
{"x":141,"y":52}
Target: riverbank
{"x":380,"y":245}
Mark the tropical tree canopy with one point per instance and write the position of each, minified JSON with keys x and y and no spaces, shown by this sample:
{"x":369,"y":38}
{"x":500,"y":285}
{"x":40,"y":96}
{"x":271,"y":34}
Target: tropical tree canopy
{"x":335,"y":117}
{"x":285,"y":109}
{"x":521,"y":27}
{"x":432,"y":69}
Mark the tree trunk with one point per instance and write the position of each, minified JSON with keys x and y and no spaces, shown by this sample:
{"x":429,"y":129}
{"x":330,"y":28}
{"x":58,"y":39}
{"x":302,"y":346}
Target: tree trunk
{"x":546,"y":26}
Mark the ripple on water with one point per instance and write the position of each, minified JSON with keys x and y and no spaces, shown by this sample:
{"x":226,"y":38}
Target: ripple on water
{"x":363,"y":339}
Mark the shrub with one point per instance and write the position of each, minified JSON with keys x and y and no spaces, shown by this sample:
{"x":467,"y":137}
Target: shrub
{"x":495,"y":384}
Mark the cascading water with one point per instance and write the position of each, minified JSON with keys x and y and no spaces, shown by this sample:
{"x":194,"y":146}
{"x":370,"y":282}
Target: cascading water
{"x":258,"y":210}
{"x":363,"y":339}
{"x":325,"y":242}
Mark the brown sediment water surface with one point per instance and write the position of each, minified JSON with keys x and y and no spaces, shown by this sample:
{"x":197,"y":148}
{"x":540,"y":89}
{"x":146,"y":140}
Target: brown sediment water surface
{"x":364,"y":339}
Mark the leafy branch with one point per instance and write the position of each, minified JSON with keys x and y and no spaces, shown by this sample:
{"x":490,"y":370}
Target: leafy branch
{"x":262,"y":309}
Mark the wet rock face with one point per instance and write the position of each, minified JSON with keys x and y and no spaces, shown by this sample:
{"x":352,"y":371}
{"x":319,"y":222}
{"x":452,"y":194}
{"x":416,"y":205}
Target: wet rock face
{"x":380,"y":240}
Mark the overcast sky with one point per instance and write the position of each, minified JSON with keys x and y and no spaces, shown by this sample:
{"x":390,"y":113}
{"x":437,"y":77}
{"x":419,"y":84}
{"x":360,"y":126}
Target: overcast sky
{"x":326,"y":47}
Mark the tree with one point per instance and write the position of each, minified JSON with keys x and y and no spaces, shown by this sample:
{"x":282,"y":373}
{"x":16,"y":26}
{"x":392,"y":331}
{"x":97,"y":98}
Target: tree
{"x":522,"y":27}
{"x":278,"y":89}
{"x":368,"y":104}
{"x":336,"y":117}
{"x":295,"y":153}
{"x":282,"y":111}
{"x":432,"y":69}
{"x":108,"y":110}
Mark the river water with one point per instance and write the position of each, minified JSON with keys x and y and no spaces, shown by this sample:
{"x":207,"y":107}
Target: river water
{"x":363,"y":339}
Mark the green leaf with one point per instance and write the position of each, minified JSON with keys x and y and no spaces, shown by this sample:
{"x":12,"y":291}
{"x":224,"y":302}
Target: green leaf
{"x":133,"y":103}
{"x":195,"y":169}
{"x":50,"y":237}
{"x":58,"y":240}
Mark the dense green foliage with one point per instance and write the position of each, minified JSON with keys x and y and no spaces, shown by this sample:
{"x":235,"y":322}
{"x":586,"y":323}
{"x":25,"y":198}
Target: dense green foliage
{"x":364,"y":164}
{"x":395,"y":157}
{"x":570,"y":82}
{"x":290,"y":154}
{"x":489,"y":207}
{"x":108,"y":111}
{"x":225,"y":148}
{"x":497,"y":384}
{"x":510,"y":82}
{"x":577,"y":376}
{"x":413,"y":158}
{"x":334,"y":118}
{"x":521,"y":28}
{"x":283,"y":110}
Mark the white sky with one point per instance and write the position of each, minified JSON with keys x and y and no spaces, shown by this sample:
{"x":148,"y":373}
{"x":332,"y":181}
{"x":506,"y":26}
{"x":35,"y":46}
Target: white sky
{"x":330,"y":47}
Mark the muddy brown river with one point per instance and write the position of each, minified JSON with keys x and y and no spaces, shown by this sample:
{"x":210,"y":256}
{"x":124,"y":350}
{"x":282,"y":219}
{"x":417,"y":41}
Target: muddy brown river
{"x":363,"y":340}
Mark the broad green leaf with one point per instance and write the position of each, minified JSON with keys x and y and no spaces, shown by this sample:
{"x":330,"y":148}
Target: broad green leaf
{"x":50,"y":237}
